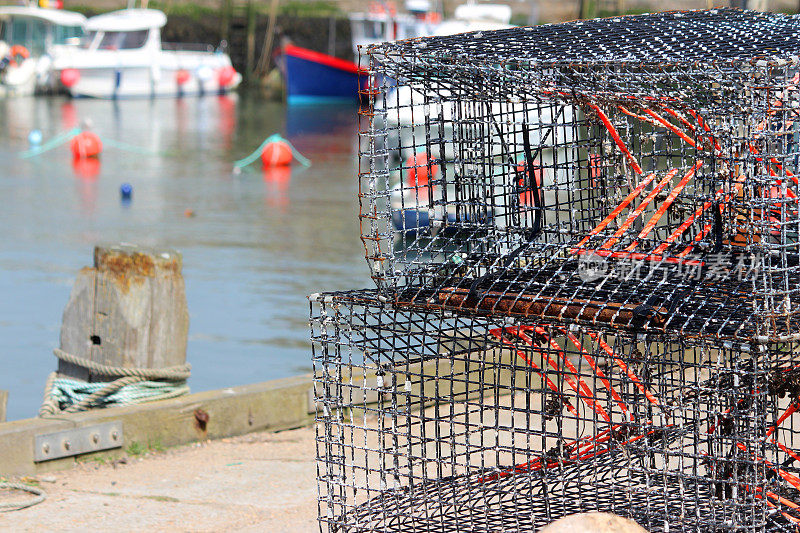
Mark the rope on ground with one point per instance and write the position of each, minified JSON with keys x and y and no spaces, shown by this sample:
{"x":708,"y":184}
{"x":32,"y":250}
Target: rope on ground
{"x":39,"y":496}
{"x":134,"y":385}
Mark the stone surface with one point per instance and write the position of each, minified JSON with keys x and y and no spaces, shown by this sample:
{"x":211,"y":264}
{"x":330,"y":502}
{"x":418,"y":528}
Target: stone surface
{"x":258,"y":482}
{"x":594,"y":523}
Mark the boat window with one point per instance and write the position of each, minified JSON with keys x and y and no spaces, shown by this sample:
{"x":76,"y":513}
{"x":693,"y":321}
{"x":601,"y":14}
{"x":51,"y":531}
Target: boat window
{"x":67,"y":34}
{"x":88,"y":39}
{"x":36,"y":37}
{"x":375,"y":30}
{"x":123,"y":40}
{"x":19,"y":31}
{"x":134,"y":39}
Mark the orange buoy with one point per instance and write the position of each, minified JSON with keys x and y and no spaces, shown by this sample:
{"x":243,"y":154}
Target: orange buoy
{"x":595,"y":168}
{"x":86,"y":144}
{"x":69,"y":77}
{"x":182,"y":77}
{"x":420,"y":170}
{"x":526,"y":197}
{"x":18,"y":51}
{"x":276,"y":154}
{"x":225,"y":75}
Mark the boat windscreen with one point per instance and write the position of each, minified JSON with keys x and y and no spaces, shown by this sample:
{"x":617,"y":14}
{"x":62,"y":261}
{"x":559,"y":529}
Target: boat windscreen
{"x":116,"y":40}
{"x":67,"y":34}
{"x":28,"y":32}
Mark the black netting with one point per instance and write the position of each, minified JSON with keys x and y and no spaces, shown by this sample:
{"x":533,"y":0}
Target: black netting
{"x":493,"y":167}
{"x":432,"y":422}
{"x":678,"y":37}
{"x":586,"y":244}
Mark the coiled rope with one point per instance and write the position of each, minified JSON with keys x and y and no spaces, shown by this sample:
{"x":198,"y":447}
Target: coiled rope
{"x":39,"y":496}
{"x":134,"y":385}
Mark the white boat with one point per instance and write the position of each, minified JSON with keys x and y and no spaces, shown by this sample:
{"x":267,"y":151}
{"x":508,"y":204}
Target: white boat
{"x":122,"y":56}
{"x":407,"y":101}
{"x":381,"y":23}
{"x":476,"y":17}
{"x":29,"y":38}
{"x":548,"y":127}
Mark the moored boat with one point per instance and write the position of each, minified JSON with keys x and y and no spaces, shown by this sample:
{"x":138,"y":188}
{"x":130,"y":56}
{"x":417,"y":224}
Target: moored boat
{"x":122,"y":56}
{"x":314,"y":76}
{"x":29,"y":37}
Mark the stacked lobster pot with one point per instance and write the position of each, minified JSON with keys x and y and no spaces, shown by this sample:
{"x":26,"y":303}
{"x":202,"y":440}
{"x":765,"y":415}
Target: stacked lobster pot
{"x":584,"y":238}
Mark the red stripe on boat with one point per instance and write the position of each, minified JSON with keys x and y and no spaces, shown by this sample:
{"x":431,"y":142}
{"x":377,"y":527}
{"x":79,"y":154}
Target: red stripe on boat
{"x":317,"y":57}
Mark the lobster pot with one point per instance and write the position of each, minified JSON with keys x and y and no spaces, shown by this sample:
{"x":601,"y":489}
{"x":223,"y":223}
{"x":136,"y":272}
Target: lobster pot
{"x":428,"y":421}
{"x":508,"y":160}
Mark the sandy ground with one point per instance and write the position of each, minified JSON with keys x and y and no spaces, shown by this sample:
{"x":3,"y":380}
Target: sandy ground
{"x":257,"y":482}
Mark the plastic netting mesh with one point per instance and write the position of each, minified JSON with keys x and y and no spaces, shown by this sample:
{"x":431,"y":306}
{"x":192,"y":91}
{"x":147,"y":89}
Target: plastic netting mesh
{"x":660,"y":150}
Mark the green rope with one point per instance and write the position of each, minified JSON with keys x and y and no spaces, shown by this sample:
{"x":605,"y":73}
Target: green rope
{"x":136,"y":385}
{"x":39,"y":496}
{"x":67,"y":136}
{"x":257,"y":153}
{"x":119,"y":145}
{"x":70,"y":393}
{"x":55,"y":142}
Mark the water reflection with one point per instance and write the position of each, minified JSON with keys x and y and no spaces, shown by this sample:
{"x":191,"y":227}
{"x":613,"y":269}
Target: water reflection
{"x":86,"y":168}
{"x":277,"y":181}
{"x":254,"y":245}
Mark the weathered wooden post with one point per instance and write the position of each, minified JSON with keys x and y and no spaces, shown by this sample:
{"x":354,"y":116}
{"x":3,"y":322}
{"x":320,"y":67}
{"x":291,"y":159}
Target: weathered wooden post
{"x":128,"y":311}
{"x":3,"y":404}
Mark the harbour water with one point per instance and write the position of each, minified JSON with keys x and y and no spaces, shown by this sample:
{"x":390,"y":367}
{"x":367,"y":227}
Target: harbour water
{"x":254,"y":244}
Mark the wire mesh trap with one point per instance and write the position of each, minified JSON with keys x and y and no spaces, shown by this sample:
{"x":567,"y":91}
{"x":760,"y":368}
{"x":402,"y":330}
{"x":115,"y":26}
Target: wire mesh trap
{"x":585,"y":240}
{"x":430,"y":422}
{"x":503,"y":170}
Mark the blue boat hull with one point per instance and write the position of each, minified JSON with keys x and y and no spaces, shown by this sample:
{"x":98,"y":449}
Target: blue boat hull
{"x":308,"y":80}
{"x":412,"y":221}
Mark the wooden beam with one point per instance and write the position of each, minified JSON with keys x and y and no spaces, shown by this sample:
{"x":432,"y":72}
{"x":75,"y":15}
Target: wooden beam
{"x":273,"y":405}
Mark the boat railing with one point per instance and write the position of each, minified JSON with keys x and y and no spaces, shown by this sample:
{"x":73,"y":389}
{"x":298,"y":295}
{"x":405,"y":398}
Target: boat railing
{"x":187,"y":47}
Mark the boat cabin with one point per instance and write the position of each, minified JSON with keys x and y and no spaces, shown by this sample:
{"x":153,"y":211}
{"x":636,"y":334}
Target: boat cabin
{"x":39,"y":29}
{"x":128,"y":29}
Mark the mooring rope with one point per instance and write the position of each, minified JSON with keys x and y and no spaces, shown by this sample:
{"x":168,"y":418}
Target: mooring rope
{"x":39,"y":496}
{"x":55,"y":142}
{"x":241,"y":163}
{"x":67,"y":136}
{"x":136,"y":385}
{"x":119,"y":145}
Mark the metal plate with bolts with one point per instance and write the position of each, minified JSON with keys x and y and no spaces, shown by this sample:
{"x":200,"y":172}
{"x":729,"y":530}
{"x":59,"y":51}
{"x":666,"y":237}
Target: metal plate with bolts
{"x":77,"y":441}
